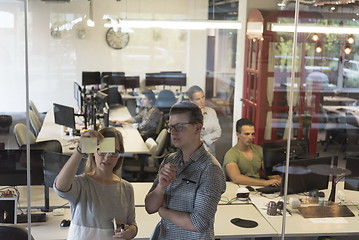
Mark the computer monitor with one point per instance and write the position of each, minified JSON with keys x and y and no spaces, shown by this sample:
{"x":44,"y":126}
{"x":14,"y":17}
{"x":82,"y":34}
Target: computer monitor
{"x":175,"y":78}
{"x":352,"y":181}
{"x":113,"y":78}
{"x":132,"y":82}
{"x":275,"y":153}
{"x":154,"y":79}
{"x":13,"y":167}
{"x":91,"y":78}
{"x":304,"y":180}
{"x":64,"y":115}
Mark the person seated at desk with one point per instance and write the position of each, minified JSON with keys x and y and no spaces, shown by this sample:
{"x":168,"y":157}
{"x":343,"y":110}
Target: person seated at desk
{"x":99,"y":195}
{"x":148,"y":118}
{"x":211,"y":130}
{"x":243,"y":162}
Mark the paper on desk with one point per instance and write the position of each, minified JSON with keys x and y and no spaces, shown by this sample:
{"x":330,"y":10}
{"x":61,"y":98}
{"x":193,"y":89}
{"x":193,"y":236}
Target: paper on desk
{"x":107,"y":145}
{"x":329,"y":220}
{"x":88,"y":145}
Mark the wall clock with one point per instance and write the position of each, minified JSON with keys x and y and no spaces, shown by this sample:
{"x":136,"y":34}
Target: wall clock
{"x":117,"y":40}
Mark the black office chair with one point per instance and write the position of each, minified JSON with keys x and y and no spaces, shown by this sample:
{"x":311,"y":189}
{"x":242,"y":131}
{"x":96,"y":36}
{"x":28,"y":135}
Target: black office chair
{"x":352,"y":131}
{"x":114,"y":97}
{"x":165,"y":100}
{"x":13,"y":232}
{"x":53,"y":163}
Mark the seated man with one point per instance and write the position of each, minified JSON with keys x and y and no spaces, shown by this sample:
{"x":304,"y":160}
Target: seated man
{"x":243,"y":162}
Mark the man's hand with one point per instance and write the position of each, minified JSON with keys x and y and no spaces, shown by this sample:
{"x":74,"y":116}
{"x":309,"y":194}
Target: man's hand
{"x":167,"y":174}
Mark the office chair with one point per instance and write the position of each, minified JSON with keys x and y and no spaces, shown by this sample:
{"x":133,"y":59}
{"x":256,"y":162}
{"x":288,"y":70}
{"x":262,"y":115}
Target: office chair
{"x":53,"y":163}
{"x":34,"y":108}
{"x":13,"y":232}
{"x":165,"y":100}
{"x":114,"y":97}
{"x":157,"y":150}
{"x":20,"y":136}
{"x":352,"y":131}
{"x":34,"y":122}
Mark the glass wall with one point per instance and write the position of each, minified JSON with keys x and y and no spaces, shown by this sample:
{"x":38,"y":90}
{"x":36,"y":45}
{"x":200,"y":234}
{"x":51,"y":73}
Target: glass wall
{"x":311,"y":96}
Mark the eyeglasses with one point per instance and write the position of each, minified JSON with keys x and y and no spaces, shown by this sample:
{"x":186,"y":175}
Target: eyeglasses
{"x":178,"y":127}
{"x":113,"y":154}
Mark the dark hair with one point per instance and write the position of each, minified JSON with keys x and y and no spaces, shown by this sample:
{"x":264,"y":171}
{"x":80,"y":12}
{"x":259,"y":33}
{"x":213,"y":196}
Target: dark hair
{"x":243,"y":122}
{"x":193,"y":90}
{"x":108,"y":132}
{"x":194,"y":112}
{"x":150,"y":95}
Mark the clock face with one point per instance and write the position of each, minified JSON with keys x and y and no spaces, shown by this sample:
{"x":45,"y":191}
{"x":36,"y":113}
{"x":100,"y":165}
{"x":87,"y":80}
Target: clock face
{"x":117,"y":40}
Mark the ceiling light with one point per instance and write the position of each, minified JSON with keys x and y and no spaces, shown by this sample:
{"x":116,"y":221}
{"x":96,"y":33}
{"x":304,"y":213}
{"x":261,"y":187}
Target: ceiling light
{"x":347,"y":49}
{"x":310,"y":28}
{"x":90,"y":21}
{"x":315,"y":37}
{"x":172,"y":24}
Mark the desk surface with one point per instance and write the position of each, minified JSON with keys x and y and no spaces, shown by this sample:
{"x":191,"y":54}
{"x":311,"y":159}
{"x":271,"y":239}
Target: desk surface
{"x":133,"y":142}
{"x":140,"y":190}
{"x":146,"y":223}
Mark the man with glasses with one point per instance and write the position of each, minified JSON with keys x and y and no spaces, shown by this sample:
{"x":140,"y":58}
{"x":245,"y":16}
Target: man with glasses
{"x":243,"y":162}
{"x":189,"y":183}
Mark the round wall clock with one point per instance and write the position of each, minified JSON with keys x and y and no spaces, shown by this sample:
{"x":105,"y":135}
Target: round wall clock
{"x":117,"y":40}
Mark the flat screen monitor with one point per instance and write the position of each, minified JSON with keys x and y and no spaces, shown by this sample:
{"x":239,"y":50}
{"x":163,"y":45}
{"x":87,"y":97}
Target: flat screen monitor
{"x":113,"y":78}
{"x":13,"y":167}
{"x":91,"y":78}
{"x":274,"y":153}
{"x":132,"y":82}
{"x":175,"y":78}
{"x":306,"y":181}
{"x":64,"y":115}
{"x":154,"y":79}
{"x":352,"y":180}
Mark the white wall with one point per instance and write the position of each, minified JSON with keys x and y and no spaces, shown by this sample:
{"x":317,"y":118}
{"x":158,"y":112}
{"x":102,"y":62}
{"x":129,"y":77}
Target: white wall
{"x":54,"y":64}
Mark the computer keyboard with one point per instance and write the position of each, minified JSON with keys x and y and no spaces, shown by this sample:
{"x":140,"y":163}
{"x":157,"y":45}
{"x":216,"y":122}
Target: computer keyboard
{"x":268,"y":189}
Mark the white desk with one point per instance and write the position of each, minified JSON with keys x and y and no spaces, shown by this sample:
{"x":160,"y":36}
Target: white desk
{"x":146,"y":223}
{"x":133,"y":142}
{"x":296,"y":225}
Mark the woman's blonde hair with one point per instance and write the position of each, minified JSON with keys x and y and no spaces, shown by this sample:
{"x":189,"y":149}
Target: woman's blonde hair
{"x":108,"y":132}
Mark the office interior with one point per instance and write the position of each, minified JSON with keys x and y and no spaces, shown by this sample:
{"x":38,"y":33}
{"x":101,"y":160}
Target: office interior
{"x":295,"y":78}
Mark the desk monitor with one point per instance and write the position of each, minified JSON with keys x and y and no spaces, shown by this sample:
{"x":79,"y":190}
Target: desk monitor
{"x":64,"y":115}
{"x":274,"y":153}
{"x":154,"y":79}
{"x":175,"y":78}
{"x":113,"y":78}
{"x":91,"y":78}
{"x":308,"y":181}
{"x":13,"y":167}
{"x":132,"y":82}
{"x":352,"y":180}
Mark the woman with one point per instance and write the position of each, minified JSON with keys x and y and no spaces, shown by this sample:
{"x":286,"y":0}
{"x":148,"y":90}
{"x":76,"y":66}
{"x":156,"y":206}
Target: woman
{"x":98,"y":196}
{"x":211,"y":129}
{"x":148,"y":118}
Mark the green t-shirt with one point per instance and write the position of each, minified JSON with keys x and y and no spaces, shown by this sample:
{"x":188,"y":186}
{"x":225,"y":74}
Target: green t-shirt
{"x":247,"y":167}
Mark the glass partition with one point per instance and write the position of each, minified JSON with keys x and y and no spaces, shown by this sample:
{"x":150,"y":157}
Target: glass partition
{"x":310,"y":97}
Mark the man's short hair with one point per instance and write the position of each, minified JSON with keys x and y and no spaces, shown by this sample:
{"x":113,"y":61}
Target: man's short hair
{"x":194,"y":112}
{"x":150,"y":95}
{"x":243,"y":122}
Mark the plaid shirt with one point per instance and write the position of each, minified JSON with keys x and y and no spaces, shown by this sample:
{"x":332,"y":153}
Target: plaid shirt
{"x":197,"y":190}
{"x":148,"y":120}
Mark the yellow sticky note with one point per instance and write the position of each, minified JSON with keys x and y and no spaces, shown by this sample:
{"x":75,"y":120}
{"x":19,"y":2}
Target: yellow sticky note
{"x":88,"y":145}
{"x":107,"y":145}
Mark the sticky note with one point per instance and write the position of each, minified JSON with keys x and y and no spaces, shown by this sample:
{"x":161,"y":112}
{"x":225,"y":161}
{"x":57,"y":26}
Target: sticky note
{"x":88,"y":145}
{"x":107,"y":145}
